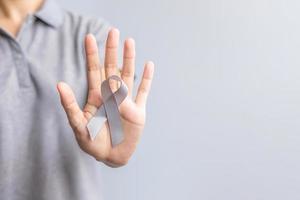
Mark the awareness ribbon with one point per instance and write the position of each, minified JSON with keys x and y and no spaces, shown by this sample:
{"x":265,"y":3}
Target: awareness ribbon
{"x":109,"y":111}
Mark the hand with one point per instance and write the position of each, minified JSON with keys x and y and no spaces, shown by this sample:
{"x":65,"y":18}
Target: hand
{"x":133,"y":112}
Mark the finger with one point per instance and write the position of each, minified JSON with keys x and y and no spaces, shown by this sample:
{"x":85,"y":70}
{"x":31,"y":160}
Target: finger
{"x":145,"y":85}
{"x":128,"y":64}
{"x":94,"y":76}
{"x":111,"y":54}
{"x":70,"y":105}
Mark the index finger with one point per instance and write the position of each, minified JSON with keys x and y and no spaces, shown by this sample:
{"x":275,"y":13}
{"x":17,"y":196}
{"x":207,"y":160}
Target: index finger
{"x":94,"y":76}
{"x":111,"y":52}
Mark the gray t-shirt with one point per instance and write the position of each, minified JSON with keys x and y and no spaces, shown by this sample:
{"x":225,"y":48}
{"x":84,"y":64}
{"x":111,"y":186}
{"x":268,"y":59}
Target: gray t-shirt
{"x":39,"y":156}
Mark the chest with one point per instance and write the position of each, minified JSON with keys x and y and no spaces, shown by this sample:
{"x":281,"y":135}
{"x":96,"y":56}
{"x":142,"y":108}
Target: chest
{"x":40,"y":58}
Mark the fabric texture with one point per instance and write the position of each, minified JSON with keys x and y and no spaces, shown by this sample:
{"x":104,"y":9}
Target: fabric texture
{"x":39,"y":156}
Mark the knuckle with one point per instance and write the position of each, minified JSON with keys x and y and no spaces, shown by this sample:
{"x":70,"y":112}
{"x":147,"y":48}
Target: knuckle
{"x":127,"y":73}
{"x":143,"y":90}
{"x":110,"y":65}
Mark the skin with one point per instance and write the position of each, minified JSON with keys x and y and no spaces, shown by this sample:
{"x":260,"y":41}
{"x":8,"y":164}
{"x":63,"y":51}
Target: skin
{"x":14,"y":12}
{"x":132,"y":109}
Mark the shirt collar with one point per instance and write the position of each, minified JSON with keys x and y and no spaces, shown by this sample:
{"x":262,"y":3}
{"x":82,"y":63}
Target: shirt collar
{"x":50,"y":13}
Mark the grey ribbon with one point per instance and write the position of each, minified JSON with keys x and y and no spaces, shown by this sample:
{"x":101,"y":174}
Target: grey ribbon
{"x":109,"y":111}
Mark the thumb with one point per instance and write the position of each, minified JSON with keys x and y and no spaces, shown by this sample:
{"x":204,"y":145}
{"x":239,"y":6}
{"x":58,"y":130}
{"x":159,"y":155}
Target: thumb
{"x":70,"y":105}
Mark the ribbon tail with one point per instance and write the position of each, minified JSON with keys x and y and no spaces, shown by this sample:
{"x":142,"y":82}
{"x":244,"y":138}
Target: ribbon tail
{"x":114,"y":121}
{"x":96,"y":123}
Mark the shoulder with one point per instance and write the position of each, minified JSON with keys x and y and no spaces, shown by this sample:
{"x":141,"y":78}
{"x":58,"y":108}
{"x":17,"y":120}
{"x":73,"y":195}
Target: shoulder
{"x":80,"y":25}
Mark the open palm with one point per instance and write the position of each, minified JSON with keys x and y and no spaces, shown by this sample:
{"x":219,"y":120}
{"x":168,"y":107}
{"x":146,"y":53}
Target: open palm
{"x":133,"y":112}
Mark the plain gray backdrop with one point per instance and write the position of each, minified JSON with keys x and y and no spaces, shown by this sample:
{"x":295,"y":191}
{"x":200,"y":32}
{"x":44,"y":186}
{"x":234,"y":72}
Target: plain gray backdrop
{"x":224,"y":110}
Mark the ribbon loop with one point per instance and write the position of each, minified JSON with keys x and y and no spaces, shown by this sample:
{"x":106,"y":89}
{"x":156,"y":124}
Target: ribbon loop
{"x":109,"y":110}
